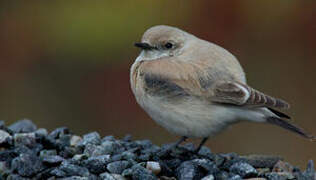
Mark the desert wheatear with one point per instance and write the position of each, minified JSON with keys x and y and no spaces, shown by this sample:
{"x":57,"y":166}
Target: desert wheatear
{"x":195,"y":88}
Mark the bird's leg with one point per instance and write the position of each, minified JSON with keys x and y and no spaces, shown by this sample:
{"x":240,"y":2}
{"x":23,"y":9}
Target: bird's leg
{"x":182,"y":139}
{"x":201,"y":144}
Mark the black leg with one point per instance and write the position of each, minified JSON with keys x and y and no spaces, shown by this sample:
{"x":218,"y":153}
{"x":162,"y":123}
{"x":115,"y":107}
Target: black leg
{"x":201,"y":144}
{"x":183,"y":138}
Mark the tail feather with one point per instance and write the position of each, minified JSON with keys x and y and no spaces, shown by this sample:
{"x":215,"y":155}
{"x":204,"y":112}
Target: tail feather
{"x":287,"y":125}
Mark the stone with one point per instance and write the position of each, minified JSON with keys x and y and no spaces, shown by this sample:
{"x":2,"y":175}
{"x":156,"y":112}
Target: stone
{"x":118,"y":177}
{"x":69,"y":151}
{"x":41,"y":132}
{"x":2,"y":124}
{"x":204,"y":151}
{"x":275,"y":176}
{"x":75,"y":178}
{"x":128,"y":155}
{"x":144,"y":143}
{"x":127,"y":138}
{"x":97,"y":164}
{"x":207,"y":165}
{"x":4,"y":169}
{"x":91,"y":138}
{"x":50,"y":152}
{"x":94,"y":150}
{"x":27,"y":165}
{"x":80,"y":157}
{"x":310,"y":170}
{"x":209,"y":177}
{"x":5,"y":138}
{"x":59,"y":132}
{"x":26,"y":139}
{"x":118,"y":167}
{"x":262,"y":161}
{"x":111,"y":147}
{"x":16,"y":177}
{"x":73,"y":170}
{"x":153,"y":167}
{"x":282,"y":166}
{"x":23,"y":126}
{"x":188,"y":170}
{"x":243,"y":169}
{"x":106,"y":176}
{"x":221,"y":175}
{"x":235,"y":177}
{"x":53,"y":160}
{"x":108,"y":138}
{"x":75,"y":140}
{"x":141,"y":173}
{"x":58,"y":172}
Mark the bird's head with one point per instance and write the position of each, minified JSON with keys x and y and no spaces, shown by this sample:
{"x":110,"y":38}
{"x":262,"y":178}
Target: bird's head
{"x":162,"y":42}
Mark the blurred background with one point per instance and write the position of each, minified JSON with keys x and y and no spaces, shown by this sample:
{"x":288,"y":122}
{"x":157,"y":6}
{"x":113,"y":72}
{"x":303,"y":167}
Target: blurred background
{"x":66,"y":63}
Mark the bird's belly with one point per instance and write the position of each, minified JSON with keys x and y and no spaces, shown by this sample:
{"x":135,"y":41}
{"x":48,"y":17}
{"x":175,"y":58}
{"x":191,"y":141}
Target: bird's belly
{"x":188,"y":117}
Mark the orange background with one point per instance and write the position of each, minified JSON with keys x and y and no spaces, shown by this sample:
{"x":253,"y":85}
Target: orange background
{"x":66,"y":63}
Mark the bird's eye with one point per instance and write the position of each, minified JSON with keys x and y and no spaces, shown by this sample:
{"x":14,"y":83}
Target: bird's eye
{"x":168,"y":45}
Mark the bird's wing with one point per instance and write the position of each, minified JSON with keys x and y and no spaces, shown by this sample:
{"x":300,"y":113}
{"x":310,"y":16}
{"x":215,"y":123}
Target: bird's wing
{"x":243,"y":95}
{"x":177,"y":79}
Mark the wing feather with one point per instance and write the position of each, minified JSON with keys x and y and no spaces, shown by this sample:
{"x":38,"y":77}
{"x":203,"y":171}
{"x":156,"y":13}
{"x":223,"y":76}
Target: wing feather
{"x":241,"y":94}
{"x":179,"y":79}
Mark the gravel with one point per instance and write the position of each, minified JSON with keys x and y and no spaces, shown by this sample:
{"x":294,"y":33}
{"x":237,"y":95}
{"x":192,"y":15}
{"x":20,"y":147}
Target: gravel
{"x":27,"y":152}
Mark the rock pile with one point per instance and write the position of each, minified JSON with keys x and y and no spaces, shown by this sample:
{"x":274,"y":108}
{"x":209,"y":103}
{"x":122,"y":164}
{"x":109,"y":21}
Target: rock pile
{"x":27,"y":152}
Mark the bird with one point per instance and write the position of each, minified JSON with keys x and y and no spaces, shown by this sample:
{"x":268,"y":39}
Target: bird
{"x":196,"y":89}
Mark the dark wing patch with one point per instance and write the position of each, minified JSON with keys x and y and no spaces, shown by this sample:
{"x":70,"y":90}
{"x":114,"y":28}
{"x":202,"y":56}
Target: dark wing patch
{"x":158,"y":86}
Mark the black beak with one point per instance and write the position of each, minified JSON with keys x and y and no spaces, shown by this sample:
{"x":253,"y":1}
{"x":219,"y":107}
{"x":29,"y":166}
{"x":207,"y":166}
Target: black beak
{"x":144,"y":46}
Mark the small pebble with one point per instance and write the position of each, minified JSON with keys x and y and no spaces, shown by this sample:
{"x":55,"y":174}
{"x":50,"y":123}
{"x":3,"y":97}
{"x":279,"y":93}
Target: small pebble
{"x":41,"y":132}
{"x":97,"y":164}
{"x":23,"y":126}
{"x":73,"y":170}
{"x":243,"y":169}
{"x":4,"y":137}
{"x":3,"y":168}
{"x":262,"y":161}
{"x":36,"y":154}
{"x":26,"y":139}
{"x":153,"y":167}
{"x":59,"y":132}
{"x":310,"y":170}
{"x":27,"y":164}
{"x":118,"y":167}
{"x":139,"y":173}
{"x":53,"y":160}
{"x":209,"y":177}
{"x":188,"y":170}
{"x":75,"y":140}
{"x":282,"y":166}
{"x":46,"y":152}
{"x":91,"y":138}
